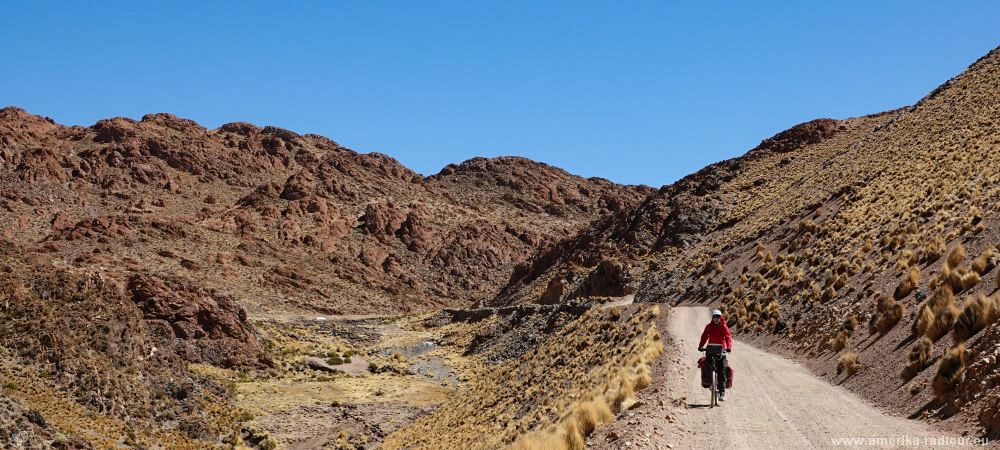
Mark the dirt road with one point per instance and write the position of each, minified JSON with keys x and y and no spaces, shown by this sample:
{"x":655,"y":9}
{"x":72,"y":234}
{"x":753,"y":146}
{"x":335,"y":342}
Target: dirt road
{"x":776,"y":403}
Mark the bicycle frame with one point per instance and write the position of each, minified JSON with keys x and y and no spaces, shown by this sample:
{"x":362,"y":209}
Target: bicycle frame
{"x":713,"y":355}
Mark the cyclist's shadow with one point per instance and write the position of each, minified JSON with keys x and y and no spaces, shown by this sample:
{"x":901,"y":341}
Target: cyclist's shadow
{"x":698,"y":405}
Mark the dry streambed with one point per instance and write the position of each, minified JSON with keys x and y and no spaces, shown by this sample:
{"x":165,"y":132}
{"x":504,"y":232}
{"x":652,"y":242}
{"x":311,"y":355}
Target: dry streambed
{"x":431,"y":381}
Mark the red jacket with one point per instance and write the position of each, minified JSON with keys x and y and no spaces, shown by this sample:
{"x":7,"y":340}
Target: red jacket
{"x":717,"y":334}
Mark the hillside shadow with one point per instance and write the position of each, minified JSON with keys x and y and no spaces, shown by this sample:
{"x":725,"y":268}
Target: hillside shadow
{"x":930,"y":363}
{"x":877,"y":337}
{"x":909,"y":340}
{"x":927,"y":407}
{"x":846,"y":378}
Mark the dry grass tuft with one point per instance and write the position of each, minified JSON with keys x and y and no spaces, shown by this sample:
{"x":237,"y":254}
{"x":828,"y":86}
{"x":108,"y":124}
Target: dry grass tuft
{"x":593,"y":413}
{"x":955,"y":257}
{"x":976,"y":315}
{"x":960,"y":279}
{"x":908,"y":284}
{"x":937,"y":315}
{"x":888,"y":313}
{"x":944,"y":317}
{"x":984,"y":262}
{"x":838,"y":342}
{"x":848,"y":362}
{"x":919,"y":354}
{"x":851,"y":323}
{"x":934,"y":249}
{"x":949,"y":372}
{"x":828,"y":294}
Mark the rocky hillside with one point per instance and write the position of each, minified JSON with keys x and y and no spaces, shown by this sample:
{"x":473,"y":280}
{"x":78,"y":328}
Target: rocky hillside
{"x":282,"y":221}
{"x":869,"y":238}
{"x":88,"y":361}
{"x":599,"y":260}
{"x":133,"y":255}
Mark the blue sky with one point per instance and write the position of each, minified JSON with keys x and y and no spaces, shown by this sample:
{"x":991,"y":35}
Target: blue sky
{"x":637,"y":92}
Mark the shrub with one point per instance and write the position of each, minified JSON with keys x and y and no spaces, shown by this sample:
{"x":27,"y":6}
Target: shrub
{"x":828,"y":294}
{"x":839,"y":342}
{"x":591,"y":414}
{"x":849,"y":363}
{"x":917,"y":360}
{"x":945,"y":313}
{"x":887,"y":314}
{"x":908,"y":284}
{"x":949,"y":372}
{"x":934,"y":250}
{"x":851,"y":323}
{"x":955,"y":257}
{"x":976,"y":315}
{"x":937,"y":315}
{"x":925,"y":318}
{"x":907,"y":259}
{"x":960,"y":279}
{"x":984,"y":262}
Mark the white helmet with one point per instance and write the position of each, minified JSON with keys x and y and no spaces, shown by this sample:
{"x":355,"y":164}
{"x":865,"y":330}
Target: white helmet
{"x":716,"y":313}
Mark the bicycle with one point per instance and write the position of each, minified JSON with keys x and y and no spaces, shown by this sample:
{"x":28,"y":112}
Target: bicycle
{"x":714,"y":354}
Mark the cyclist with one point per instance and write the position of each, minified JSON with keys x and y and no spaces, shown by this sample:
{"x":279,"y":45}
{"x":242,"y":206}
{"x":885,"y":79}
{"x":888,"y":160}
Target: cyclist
{"x":716,"y":332}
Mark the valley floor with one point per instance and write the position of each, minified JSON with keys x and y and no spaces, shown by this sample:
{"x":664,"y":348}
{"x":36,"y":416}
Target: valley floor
{"x":775,"y":403}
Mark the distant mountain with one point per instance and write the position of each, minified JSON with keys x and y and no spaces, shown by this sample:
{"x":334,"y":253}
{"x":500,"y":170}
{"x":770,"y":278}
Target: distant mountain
{"x":282,"y":221}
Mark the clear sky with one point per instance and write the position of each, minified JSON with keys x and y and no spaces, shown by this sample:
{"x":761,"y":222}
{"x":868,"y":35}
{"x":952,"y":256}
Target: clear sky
{"x":637,"y":92}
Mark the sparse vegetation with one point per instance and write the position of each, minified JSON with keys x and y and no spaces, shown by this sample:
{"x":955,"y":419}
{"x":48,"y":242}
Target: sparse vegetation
{"x":950,"y":372}
{"x":567,"y":399}
{"x":917,"y":360}
{"x":888,"y":313}
{"x":984,"y":262}
{"x":955,"y":257}
{"x":937,"y":315}
{"x":908,"y":284}
{"x":977,"y":313}
{"x":838,"y":342}
{"x":848,"y":362}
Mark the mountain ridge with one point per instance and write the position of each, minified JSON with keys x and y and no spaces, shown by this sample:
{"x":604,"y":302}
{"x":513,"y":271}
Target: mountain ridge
{"x":318,"y":192}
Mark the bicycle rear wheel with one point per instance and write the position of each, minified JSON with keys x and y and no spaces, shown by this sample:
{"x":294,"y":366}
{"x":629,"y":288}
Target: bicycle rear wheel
{"x":715,"y":391}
